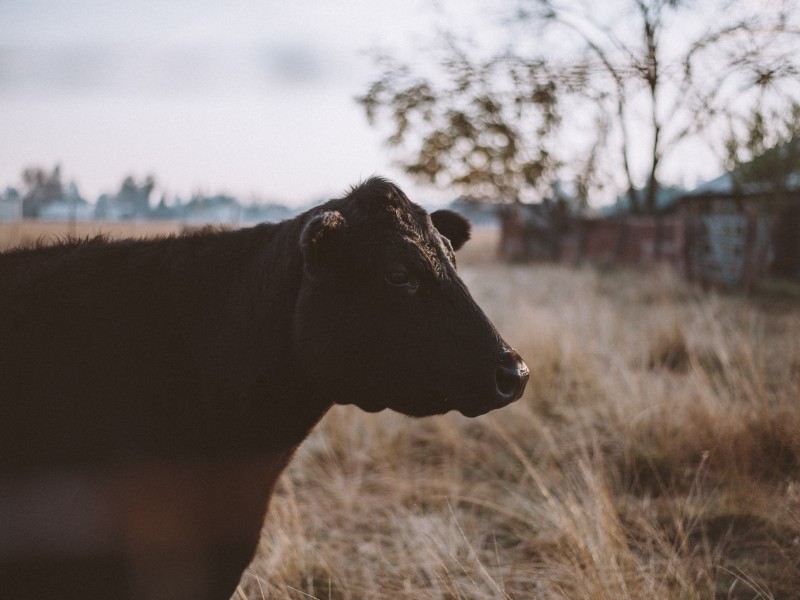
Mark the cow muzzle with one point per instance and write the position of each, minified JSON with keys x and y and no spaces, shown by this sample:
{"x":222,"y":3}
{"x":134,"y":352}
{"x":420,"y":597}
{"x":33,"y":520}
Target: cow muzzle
{"x":510,"y":378}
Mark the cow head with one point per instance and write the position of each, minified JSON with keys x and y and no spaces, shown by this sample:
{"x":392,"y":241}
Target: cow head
{"x":384,"y":321}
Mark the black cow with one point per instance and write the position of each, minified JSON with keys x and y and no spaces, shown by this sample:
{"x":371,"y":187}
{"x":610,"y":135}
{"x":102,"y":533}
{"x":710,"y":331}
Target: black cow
{"x":152,"y":391}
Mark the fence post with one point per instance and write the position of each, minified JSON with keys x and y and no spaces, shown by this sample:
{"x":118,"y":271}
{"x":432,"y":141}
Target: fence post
{"x":622,"y":235}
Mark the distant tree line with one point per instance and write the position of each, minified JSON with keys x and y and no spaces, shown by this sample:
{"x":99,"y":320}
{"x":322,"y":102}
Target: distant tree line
{"x":44,"y":195}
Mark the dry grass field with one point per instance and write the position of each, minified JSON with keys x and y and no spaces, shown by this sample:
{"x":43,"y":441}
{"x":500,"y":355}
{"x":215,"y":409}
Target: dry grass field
{"x":655,"y":454}
{"x":14,"y":233}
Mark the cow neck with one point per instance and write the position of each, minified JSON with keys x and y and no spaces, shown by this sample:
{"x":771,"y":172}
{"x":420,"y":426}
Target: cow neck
{"x":252,"y":382}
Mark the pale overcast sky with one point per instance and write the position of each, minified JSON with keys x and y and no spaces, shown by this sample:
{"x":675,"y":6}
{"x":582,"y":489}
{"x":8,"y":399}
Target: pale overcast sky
{"x":247,"y":97}
{"x":244,"y":97}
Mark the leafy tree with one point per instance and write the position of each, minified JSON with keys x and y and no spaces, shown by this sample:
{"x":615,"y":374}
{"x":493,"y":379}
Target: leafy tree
{"x":41,"y":187}
{"x":763,"y":157}
{"x":585,"y":90}
{"x":765,"y":150}
{"x":134,"y":198}
{"x":476,"y":128}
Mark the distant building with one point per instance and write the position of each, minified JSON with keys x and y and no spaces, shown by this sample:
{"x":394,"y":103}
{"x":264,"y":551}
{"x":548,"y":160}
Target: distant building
{"x":10,"y":205}
{"x":737,"y":234}
{"x":723,"y":233}
{"x":69,"y":207}
{"x":212,"y":209}
{"x":267,"y":213}
{"x":64,"y":210}
{"x":131,"y":202}
{"x":533,"y":231}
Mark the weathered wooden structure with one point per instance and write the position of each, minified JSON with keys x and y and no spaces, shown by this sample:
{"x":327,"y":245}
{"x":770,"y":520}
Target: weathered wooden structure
{"x":718,"y":238}
{"x":731,"y":237}
{"x":625,"y":240}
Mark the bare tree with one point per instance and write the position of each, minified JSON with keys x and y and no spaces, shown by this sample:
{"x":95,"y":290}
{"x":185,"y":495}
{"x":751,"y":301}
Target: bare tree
{"x":644,"y":76}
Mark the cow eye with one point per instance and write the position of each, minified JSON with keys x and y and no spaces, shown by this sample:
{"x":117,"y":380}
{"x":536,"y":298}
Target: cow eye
{"x":400,"y":278}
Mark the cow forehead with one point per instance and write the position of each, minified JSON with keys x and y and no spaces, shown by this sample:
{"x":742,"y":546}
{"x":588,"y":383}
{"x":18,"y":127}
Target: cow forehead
{"x":430,"y":248}
{"x":388,"y":218}
{"x":416,"y":227}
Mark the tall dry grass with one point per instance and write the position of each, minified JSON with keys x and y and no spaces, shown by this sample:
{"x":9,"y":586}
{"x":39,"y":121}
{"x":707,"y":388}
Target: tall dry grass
{"x":655,"y":454}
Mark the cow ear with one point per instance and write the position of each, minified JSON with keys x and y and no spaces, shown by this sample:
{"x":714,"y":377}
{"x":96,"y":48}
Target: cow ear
{"x":318,"y":237}
{"x":452,"y":226}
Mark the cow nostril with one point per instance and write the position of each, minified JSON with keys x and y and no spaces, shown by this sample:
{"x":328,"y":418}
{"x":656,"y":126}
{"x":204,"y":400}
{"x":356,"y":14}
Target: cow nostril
{"x":510,"y":381}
